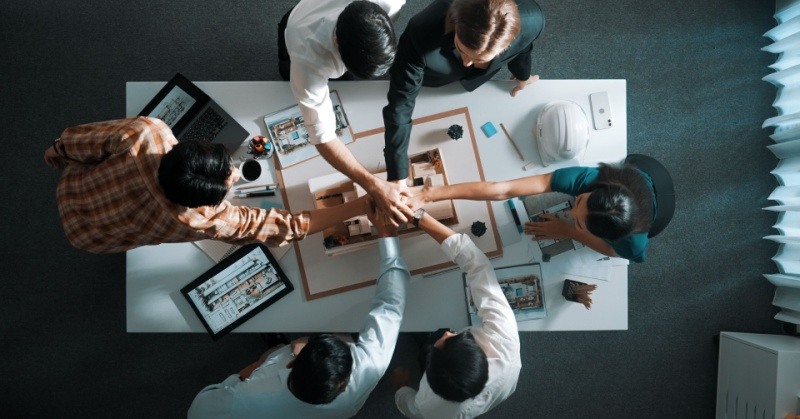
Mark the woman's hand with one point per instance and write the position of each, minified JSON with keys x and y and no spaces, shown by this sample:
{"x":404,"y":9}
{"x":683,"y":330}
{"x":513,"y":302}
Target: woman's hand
{"x":420,"y":199}
{"x":551,"y":228}
{"x":522,"y":83}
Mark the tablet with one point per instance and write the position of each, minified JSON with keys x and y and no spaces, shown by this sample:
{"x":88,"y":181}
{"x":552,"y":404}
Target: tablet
{"x":236,"y":289}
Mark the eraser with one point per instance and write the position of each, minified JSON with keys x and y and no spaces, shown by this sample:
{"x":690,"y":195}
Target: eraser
{"x":488,"y":129}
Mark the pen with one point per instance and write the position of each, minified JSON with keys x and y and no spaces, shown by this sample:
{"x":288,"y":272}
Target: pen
{"x":515,"y":215}
{"x":256,"y":189}
{"x":262,"y":185}
{"x":254,"y":194}
{"x":512,"y":141}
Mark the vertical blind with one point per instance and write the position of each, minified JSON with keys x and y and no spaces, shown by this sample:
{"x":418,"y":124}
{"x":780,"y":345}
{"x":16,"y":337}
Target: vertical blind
{"x":786,"y":44}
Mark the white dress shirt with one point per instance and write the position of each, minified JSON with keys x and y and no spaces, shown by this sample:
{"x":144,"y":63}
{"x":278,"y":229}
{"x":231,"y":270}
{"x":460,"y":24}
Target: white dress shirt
{"x":315,"y":59}
{"x":266,"y":392}
{"x":497,"y":336}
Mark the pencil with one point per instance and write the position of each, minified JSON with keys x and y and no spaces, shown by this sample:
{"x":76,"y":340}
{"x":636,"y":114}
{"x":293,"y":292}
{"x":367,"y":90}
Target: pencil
{"x":512,"y":141}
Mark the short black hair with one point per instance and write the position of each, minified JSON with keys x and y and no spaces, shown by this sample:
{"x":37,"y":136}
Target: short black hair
{"x":366,"y":39}
{"x":620,"y":202}
{"x":459,"y":370}
{"x":321,"y":370}
{"x":612,"y":212}
{"x":195,"y":173}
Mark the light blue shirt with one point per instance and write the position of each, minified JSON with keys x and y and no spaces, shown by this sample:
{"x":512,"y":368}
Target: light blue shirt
{"x":266,"y":393}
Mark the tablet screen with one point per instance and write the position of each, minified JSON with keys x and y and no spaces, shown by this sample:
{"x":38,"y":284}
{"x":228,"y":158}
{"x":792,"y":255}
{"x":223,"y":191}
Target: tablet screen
{"x":237,"y":288}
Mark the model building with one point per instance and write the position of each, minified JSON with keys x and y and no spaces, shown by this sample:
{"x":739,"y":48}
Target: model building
{"x":426,"y":168}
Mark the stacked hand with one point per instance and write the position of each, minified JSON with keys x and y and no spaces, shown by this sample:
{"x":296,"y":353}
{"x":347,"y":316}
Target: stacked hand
{"x":390,"y":200}
{"x":550,"y":228}
{"x":416,"y":201}
{"x":380,"y":222}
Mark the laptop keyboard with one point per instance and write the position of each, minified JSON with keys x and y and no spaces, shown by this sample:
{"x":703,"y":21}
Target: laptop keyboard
{"x":206,"y":127}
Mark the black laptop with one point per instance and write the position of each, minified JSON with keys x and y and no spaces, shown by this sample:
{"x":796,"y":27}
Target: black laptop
{"x":193,"y":115}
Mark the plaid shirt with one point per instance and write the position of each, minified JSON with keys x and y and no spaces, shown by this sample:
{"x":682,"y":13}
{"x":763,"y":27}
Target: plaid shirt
{"x":110,"y":200}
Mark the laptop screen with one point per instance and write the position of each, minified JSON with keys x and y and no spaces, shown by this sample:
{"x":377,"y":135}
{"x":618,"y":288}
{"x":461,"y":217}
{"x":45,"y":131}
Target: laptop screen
{"x":177,"y":103}
{"x":173,"y":107}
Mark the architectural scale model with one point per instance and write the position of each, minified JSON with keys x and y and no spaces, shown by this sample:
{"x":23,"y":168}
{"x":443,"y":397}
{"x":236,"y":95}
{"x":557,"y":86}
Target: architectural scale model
{"x":425,"y":168}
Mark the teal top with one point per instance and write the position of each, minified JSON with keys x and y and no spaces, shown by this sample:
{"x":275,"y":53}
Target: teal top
{"x":575,"y":180}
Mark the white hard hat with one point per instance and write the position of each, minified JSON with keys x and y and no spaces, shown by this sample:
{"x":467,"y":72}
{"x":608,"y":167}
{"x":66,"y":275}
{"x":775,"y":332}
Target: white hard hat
{"x":561,"y":131}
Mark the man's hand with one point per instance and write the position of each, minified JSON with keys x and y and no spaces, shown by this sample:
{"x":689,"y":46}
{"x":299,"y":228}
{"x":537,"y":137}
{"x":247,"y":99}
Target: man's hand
{"x":248,"y":370}
{"x":390,"y":200}
{"x":53,"y":160}
{"x":522,"y":83}
{"x":401,"y":377}
{"x":385,"y":228}
{"x":298,"y":345}
{"x":551,"y":228}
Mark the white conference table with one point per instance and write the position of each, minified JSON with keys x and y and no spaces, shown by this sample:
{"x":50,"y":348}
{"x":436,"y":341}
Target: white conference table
{"x":155,"y":274}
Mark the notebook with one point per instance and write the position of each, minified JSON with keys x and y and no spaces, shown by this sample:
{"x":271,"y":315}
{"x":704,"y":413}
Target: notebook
{"x":193,"y":115}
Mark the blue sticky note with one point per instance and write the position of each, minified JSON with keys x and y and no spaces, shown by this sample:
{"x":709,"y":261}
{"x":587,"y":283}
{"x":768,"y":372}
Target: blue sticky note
{"x":488,"y":129}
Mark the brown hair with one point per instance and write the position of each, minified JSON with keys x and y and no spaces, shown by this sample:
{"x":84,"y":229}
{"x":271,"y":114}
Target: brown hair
{"x":484,"y":26}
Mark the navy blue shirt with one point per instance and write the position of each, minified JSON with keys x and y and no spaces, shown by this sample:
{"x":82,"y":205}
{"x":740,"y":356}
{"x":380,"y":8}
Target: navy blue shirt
{"x":427,"y":56}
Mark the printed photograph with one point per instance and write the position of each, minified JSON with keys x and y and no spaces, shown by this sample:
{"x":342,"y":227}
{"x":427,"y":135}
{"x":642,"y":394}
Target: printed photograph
{"x":290,"y":139}
{"x":523,"y":289}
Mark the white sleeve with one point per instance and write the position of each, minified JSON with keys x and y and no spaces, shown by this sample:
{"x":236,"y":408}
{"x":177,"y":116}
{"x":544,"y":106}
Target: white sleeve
{"x":378,"y":335}
{"x":392,"y":7}
{"x":499,"y":328}
{"x":310,"y":90}
{"x":215,"y":400}
{"x":405,"y":399}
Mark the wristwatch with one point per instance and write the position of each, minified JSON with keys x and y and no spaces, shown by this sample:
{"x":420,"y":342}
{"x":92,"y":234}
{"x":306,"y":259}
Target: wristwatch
{"x":418,"y":214}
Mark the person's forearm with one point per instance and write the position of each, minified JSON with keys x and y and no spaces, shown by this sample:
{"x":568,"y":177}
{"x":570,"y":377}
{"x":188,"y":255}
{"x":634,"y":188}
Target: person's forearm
{"x":593,"y":242}
{"x":94,"y":142}
{"x":494,"y":191}
{"x":435,"y":229}
{"x":323,"y":218}
{"x":395,"y":150}
{"x":340,"y":157}
{"x":405,"y":81}
{"x":520,"y":66}
{"x":477,"y":191}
